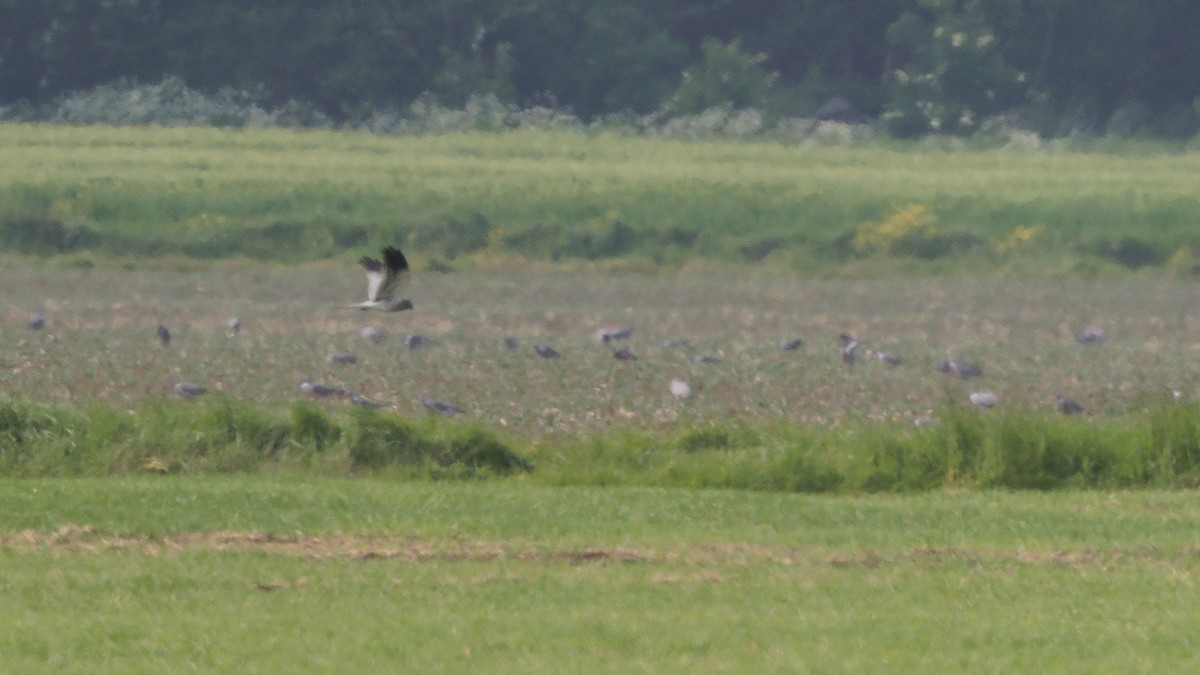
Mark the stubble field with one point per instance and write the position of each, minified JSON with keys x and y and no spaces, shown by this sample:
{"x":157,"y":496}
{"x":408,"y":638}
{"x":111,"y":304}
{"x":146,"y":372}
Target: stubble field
{"x":255,"y":529}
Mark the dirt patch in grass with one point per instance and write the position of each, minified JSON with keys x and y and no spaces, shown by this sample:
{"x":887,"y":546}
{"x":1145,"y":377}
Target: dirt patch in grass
{"x":85,"y":539}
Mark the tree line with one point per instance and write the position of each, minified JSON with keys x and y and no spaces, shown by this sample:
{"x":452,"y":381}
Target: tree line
{"x":919,"y":66}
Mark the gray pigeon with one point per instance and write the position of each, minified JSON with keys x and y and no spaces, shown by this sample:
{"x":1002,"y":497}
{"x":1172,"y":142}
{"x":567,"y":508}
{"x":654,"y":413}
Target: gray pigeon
{"x":1067,"y":406}
{"x":439,"y":407}
{"x":416,"y":341}
{"x":235,"y":324}
{"x":704,"y":358}
{"x":511,"y":342}
{"x":983,"y":399}
{"x":363,"y":401}
{"x":624,"y":354}
{"x":960,"y":368}
{"x":849,"y":347}
{"x":341,"y":358}
{"x":187,"y":389}
{"x":888,"y":358}
{"x":37,"y":320}
{"x":371,"y":334}
{"x":1091,"y":336}
{"x":611,"y":333}
{"x":320,"y":390}
{"x":164,"y":335}
{"x":546,"y":351}
{"x":791,"y":345}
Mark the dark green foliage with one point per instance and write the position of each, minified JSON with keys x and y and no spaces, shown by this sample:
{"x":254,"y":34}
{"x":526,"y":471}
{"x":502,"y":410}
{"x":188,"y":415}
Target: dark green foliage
{"x":1120,"y":67}
{"x":379,"y":440}
{"x":311,"y":425}
{"x":967,"y":448}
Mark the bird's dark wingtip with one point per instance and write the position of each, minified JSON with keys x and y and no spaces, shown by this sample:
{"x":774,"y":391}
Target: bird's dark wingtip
{"x":395,"y":259}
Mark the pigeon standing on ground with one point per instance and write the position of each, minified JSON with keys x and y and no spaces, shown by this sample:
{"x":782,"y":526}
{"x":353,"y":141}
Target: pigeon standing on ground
{"x":1067,"y":406}
{"x":1091,"y":336}
{"x":320,"y":390}
{"x":680,"y":389}
{"x":790,"y":345}
{"x":371,"y":334}
{"x":341,"y":359}
{"x":363,"y":401}
{"x":546,"y":351}
{"x":235,"y":325}
{"x":611,"y":333}
{"x":983,"y":399}
{"x":624,"y":354}
{"x":849,"y":347}
{"x":37,"y":320}
{"x":384,"y":280}
{"x":439,"y":407}
{"x":164,"y":335}
{"x":511,"y":342}
{"x":187,"y":389}
{"x":704,"y":358}
{"x":960,"y":368}
{"x":416,"y":341}
{"x":888,"y":358}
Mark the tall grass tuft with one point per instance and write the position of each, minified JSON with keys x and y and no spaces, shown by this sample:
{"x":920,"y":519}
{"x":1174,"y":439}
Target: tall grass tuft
{"x":1014,"y":449}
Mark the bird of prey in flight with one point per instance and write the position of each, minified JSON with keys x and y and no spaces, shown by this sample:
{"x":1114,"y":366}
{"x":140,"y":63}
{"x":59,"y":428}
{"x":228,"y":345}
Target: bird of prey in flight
{"x":384,"y":280}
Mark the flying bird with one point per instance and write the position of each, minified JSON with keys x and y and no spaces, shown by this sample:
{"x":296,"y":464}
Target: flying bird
{"x":384,"y":280}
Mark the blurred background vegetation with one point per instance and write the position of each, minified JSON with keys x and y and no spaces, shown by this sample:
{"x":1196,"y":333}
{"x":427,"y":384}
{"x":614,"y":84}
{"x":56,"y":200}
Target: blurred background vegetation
{"x":915,"y":67}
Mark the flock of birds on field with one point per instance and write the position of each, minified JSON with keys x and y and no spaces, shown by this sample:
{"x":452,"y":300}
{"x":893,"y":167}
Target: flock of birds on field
{"x":387,"y":277}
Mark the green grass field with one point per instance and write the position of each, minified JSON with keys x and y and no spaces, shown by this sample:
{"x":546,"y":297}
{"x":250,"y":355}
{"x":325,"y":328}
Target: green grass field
{"x":288,"y":195}
{"x":255,"y":530}
{"x":265,"y":574}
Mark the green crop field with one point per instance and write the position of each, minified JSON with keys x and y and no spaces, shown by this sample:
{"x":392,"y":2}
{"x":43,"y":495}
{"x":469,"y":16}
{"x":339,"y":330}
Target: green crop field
{"x":277,"y":194}
{"x":575,"y":516}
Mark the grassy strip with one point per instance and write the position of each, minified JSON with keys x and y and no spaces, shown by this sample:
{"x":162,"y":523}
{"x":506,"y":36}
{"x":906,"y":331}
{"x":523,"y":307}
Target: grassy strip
{"x":167,"y":573}
{"x":1016,"y":449}
{"x":286,"y":195}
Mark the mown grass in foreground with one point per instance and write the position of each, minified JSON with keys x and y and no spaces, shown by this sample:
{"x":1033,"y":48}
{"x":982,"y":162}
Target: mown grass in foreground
{"x":269,"y":573}
{"x":964,"y":448}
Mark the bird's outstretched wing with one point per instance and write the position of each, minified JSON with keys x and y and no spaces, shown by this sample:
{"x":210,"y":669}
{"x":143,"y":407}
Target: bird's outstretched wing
{"x":385,"y":278}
